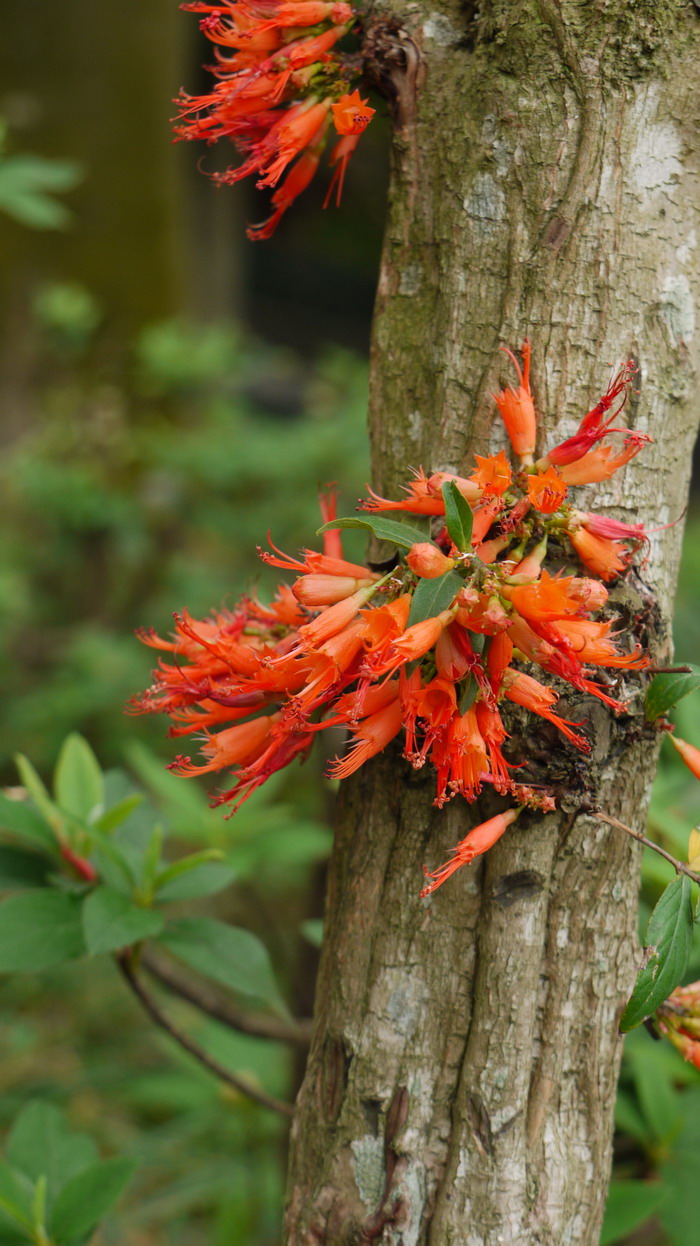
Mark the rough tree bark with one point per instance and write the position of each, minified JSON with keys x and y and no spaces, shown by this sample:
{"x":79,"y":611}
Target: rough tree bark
{"x":461,"y":1081}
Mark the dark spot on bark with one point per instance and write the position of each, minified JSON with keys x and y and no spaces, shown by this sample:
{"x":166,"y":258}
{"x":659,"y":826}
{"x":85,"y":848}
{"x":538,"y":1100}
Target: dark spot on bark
{"x":480,"y":1124}
{"x":371,"y":1109}
{"x":556,"y":233}
{"x":335,"y":1065}
{"x":507,"y":890}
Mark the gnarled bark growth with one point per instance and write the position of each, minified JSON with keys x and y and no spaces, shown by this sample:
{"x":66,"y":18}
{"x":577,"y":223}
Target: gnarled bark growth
{"x":461,"y":1081}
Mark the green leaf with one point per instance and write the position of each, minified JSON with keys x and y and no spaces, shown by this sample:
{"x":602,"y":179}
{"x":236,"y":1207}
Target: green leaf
{"x":665,"y":691}
{"x":629,"y":1203}
{"x":112,"y":818}
{"x":87,"y":1197}
{"x":668,"y":940}
{"x":39,"y":929}
{"x":386,"y":529}
{"x":468,"y":697}
{"x":15,"y":1204}
{"x":20,"y":869}
{"x":459,"y":518}
{"x":225,"y":953}
{"x":111,"y":921}
{"x":78,"y":781}
{"x":680,"y":1175}
{"x":432,"y":596}
{"x":17,"y":816}
{"x":41,"y":1143}
{"x":38,"y":792}
{"x":201,"y":874}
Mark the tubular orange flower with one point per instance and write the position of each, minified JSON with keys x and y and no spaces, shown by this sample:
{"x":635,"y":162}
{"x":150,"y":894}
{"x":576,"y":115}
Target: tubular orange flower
{"x":351,"y":114}
{"x":602,"y":556}
{"x":229,"y":747}
{"x":592,"y":643}
{"x":518,"y":409}
{"x":334,"y":618}
{"x":546,"y":491}
{"x":419,"y":638}
{"x":477,"y":842}
{"x":494,"y":734}
{"x":689,"y":753}
{"x":549,"y":598}
{"x":371,"y":735}
{"x":435,"y":704}
{"x":601,"y":463}
{"x":325,"y":590}
{"x":524,"y":690}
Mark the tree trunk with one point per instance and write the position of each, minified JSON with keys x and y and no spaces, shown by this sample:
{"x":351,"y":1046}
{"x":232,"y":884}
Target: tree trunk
{"x":461,"y":1082}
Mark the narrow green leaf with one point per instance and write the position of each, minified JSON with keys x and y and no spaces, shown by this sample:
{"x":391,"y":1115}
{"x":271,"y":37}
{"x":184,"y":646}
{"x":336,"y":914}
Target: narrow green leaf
{"x":201,"y":874}
{"x":386,"y":529}
{"x":86,"y":1198}
{"x":459,"y":518}
{"x":629,"y":1204}
{"x":668,"y":940}
{"x":39,"y":1204}
{"x":432,"y":596}
{"x":14,"y":1199}
{"x":17,"y":816}
{"x":111,"y":921}
{"x":225,"y":953}
{"x":112,"y":818}
{"x":19,"y":869}
{"x":37,"y":791}
{"x":78,"y":781}
{"x":665,"y":691}
{"x":468,"y":697}
{"x":39,"y":929}
{"x":41,"y":1143}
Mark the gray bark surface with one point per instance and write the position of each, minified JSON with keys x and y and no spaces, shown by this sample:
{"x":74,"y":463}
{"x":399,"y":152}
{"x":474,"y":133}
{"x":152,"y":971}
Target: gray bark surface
{"x":461,"y":1081}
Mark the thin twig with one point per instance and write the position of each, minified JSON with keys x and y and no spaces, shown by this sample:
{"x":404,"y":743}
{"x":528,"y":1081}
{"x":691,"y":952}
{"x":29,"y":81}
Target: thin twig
{"x":188,"y":1044}
{"x":209,"y":1001}
{"x":649,"y":843}
{"x":669,"y":670}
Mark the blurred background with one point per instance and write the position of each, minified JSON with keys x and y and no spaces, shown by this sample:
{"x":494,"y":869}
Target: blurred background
{"x":171,"y":392}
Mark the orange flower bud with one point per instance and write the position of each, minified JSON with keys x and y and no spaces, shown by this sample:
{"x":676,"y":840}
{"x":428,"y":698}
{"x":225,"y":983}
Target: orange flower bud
{"x":427,"y":561}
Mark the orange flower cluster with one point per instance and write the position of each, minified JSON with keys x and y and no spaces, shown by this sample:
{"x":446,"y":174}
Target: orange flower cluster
{"x":280,"y":88}
{"x":436,"y":648}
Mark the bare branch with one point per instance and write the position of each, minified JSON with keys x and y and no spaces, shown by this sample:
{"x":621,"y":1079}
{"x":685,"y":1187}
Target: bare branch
{"x":649,"y":843}
{"x":210,"y":1001}
{"x":150,"y":1006}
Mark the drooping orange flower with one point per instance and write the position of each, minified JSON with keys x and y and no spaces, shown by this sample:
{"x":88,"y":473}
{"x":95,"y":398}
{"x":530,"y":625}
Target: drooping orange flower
{"x":229,"y":747}
{"x":351,"y":114}
{"x":546,"y":491}
{"x":689,"y":753}
{"x":517,"y":408}
{"x":325,"y":590}
{"x":477,"y":842}
{"x":370,"y":736}
{"x":523,"y":690}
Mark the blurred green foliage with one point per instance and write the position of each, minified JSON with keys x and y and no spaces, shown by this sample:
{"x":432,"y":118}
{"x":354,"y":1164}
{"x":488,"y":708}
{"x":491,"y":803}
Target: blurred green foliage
{"x":144,"y":487}
{"x":28,"y":184}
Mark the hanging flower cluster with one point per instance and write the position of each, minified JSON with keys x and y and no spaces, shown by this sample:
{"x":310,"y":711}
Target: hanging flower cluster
{"x":435,"y":648}
{"x":281,"y":88}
